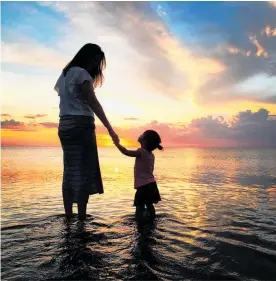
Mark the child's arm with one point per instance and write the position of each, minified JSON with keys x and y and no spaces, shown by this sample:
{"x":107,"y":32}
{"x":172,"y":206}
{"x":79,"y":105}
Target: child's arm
{"x":130,"y":153}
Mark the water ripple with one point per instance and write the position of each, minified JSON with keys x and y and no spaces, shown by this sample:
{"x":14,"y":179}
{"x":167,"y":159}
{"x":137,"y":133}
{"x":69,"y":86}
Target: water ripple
{"x":216,"y":220}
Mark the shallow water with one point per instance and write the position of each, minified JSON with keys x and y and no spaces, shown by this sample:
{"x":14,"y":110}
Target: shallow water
{"x":216,"y":220}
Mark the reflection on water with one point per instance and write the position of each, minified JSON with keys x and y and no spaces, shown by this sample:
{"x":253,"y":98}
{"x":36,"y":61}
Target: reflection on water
{"x":216,"y":220}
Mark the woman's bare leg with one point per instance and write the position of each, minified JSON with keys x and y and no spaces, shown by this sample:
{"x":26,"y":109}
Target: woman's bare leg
{"x":67,"y":203}
{"x":68,"y":208}
{"x":151,"y":210}
{"x":82,"y":210}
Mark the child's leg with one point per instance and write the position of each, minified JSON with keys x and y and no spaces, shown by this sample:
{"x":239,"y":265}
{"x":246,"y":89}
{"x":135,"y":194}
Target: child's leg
{"x":139,"y":212}
{"x":151,"y":210}
{"x":82,"y":210}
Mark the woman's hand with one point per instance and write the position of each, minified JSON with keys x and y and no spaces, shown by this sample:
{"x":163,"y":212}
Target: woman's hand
{"x":114,"y":136}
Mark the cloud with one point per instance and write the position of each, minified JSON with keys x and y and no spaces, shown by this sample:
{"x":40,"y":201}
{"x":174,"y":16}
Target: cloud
{"x":131,"y":119}
{"x":234,"y":50}
{"x":177,"y":69}
{"x":268,"y":31}
{"x":254,"y":128}
{"x":12,"y":124}
{"x":260,"y":50}
{"x":271,"y":99}
{"x":272,"y":117}
{"x":35,"y":116}
{"x":148,"y":59}
{"x":31,"y":53}
{"x":49,"y":124}
{"x":247,"y":129}
{"x":133,"y":30}
{"x":160,"y":11}
{"x":243,"y":49}
{"x":246,"y":97}
{"x":272,"y":3}
{"x":6,"y":115}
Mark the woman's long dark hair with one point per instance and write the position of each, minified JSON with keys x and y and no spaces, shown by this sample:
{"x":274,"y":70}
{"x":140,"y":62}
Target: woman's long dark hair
{"x":89,"y":54}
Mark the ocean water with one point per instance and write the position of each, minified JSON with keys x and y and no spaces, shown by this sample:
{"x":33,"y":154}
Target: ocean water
{"x":216,"y":220}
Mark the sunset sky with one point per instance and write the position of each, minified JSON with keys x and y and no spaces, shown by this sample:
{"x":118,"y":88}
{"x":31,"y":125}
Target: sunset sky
{"x":200,"y":73}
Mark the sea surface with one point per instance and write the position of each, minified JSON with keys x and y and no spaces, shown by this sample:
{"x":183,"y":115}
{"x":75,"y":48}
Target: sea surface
{"x":216,"y":220}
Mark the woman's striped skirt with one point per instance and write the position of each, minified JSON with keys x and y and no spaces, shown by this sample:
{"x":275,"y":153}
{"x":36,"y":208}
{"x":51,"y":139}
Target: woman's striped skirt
{"x":81,"y":174}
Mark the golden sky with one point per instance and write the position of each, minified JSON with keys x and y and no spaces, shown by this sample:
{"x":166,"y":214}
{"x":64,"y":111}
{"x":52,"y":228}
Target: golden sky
{"x":200,"y":79}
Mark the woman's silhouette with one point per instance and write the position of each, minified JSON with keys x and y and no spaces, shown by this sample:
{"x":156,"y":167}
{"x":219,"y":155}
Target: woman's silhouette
{"x":78,"y":104}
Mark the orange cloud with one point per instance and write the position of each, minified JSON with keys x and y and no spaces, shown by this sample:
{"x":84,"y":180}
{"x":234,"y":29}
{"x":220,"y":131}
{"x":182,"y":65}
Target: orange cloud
{"x":268,"y":31}
{"x":195,"y":67}
{"x":260,"y":50}
{"x":233,"y":50}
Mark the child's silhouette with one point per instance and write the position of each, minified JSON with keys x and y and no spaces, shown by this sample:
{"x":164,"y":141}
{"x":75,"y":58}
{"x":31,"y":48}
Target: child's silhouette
{"x":147,"y":192}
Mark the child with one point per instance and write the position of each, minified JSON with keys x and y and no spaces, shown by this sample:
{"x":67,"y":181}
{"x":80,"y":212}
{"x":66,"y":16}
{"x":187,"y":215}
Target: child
{"x":147,"y":191}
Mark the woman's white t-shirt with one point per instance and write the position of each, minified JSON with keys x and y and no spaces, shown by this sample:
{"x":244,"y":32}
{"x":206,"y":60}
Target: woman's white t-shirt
{"x":71,"y":98}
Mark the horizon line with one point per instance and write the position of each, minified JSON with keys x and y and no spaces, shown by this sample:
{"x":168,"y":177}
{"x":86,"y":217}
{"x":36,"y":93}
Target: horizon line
{"x":167,"y":147}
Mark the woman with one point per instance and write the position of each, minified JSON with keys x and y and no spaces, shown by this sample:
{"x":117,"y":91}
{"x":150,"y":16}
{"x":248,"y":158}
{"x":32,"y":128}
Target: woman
{"x":78,"y":103}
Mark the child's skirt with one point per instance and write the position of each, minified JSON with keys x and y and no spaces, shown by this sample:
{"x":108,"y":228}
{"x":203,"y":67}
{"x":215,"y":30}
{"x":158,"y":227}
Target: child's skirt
{"x":147,"y":194}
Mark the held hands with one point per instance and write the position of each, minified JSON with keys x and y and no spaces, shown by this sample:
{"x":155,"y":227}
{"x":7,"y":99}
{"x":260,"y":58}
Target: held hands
{"x":114,"y":137}
{"x":116,"y":141}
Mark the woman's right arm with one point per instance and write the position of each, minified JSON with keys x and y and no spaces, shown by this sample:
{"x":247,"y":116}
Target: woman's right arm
{"x":87,"y":90}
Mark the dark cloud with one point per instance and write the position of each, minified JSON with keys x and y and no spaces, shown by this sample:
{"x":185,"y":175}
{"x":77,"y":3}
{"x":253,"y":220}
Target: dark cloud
{"x":12,"y":124}
{"x":22,"y":126}
{"x":256,"y":128}
{"x":250,"y":20}
{"x":247,"y":129}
